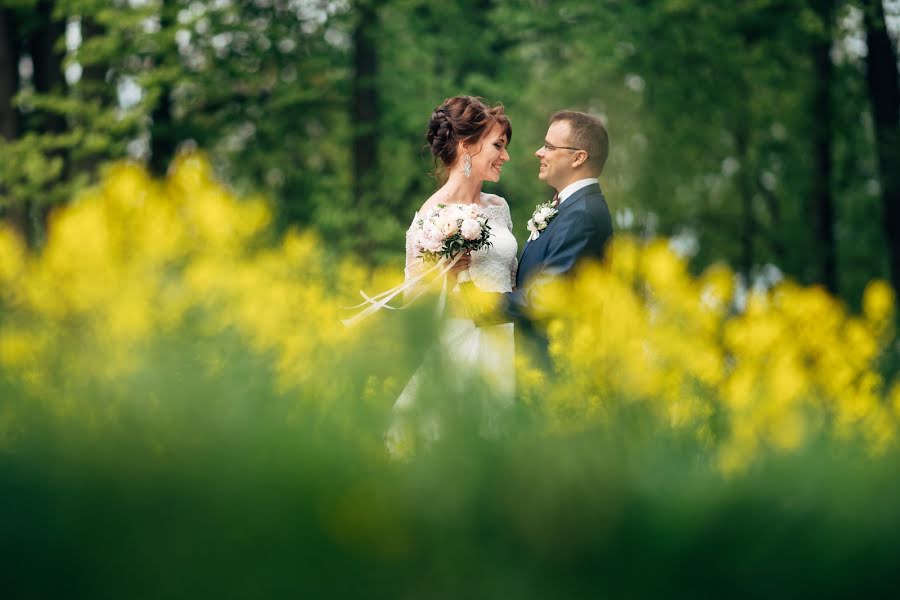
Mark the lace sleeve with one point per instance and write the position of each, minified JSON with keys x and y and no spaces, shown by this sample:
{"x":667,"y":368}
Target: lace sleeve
{"x":414,"y":264}
{"x":514,"y":265}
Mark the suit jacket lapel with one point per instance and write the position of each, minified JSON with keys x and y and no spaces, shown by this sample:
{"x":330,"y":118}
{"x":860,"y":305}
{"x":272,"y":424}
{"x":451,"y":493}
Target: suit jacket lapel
{"x":588,"y":189}
{"x":593,"y":188}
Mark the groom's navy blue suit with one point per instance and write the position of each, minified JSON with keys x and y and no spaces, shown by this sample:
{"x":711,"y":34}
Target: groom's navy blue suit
{"x":581,"y":229}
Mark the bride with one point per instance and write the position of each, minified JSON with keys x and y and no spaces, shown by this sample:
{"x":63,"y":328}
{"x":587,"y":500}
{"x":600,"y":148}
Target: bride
{"x":470,"y":139}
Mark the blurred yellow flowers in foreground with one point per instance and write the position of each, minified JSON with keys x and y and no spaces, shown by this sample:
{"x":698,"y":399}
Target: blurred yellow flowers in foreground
{"x":135,"y":258}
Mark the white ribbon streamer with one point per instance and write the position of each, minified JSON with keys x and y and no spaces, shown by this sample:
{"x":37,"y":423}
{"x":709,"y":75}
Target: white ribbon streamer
{"x":375,"y":303}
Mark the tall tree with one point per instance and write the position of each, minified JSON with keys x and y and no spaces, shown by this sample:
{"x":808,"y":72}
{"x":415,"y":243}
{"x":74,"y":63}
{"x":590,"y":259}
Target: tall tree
{"x":883,"y":82}
{"x":163,"y":132}
{"x":9,"y":74}
{"x":365,"y":106}
{"x":43,"y":44}
{"x":99,"y":97}
{"x":821,"y":198}
{"x":47,"y":59}
{"x":13,"y":211}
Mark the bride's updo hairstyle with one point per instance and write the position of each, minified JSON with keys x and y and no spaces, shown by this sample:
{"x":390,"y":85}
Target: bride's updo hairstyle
{"x":463,"y":119}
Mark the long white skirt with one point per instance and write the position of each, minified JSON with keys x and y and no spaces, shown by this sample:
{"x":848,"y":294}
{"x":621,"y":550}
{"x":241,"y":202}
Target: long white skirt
{"x":473,"y":353}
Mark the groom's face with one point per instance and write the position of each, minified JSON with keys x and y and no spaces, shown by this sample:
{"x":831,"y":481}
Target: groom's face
{"x":556,"y":158}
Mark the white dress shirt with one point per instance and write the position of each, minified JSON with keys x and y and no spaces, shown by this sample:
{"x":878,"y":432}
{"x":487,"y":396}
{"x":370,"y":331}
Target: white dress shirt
{"x":574,"y":187}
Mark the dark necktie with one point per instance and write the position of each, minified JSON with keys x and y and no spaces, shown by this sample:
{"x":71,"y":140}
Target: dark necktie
{"x":556,"y":200}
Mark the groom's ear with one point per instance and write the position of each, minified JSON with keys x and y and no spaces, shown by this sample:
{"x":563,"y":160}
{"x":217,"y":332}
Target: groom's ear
{"x":579,"y":158}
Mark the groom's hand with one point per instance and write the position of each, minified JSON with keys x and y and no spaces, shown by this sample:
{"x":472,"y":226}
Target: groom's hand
{"x":482,"y":307}
{"x":491,"y":318}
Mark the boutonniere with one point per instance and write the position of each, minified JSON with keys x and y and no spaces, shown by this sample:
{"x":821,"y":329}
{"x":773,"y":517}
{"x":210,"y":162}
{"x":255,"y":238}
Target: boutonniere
{"x":543,"y":214}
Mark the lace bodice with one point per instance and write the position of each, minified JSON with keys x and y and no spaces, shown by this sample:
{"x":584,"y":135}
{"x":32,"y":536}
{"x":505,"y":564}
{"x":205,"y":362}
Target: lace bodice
{"x":493,"y":268}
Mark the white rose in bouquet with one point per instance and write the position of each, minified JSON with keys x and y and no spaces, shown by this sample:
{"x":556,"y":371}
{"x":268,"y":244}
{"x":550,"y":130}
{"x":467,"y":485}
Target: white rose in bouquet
{"x":448,"y":224}
{"x":431,"y":243}
{"x":471,"y":229}
{"x":431,"y":229}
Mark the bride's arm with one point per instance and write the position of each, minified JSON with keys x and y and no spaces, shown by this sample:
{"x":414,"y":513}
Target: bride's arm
{"x":514,"y":265}
{"x":500,"y":314}
{"x":414,"y":266}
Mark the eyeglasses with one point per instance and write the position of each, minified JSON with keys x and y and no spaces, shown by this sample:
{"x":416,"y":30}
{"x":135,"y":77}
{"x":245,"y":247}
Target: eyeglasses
{"x":550,"y":147}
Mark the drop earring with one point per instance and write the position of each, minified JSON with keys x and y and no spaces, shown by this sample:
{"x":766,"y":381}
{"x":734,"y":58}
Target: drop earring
{"x":467,"y":165}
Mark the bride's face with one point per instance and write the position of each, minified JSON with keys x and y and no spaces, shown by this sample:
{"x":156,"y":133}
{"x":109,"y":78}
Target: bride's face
{"x":489,"y":155}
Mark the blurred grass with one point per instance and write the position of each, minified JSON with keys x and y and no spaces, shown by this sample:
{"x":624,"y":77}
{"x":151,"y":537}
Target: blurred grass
{"x":216,"y":505}
{"x":222,"y":488}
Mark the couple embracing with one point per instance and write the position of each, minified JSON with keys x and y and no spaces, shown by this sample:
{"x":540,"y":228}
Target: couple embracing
{"x":470,"y":140}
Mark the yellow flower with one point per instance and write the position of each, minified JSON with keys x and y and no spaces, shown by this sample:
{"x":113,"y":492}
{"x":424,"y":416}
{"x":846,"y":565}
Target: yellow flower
{"x":20,"y":347}
{"x":661,"y":267}
{"x":126,"y":262}
{"x":717,"y":287}
{"x":878,"y":301}
{"x":788,"y":430}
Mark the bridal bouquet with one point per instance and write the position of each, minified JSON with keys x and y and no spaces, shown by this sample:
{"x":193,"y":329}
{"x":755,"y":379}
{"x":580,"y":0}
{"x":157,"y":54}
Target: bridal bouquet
{"x":451,"y":229}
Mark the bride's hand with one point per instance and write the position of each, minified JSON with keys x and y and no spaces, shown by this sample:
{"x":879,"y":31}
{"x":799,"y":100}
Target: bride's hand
{"x":462,"y":264}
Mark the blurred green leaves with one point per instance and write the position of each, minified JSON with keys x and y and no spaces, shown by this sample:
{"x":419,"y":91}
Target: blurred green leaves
{"x":710,"y":109}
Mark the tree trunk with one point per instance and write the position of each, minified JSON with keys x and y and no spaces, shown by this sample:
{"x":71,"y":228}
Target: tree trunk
{"x":883,"y":82}
{"x":9,"y":75}
{"x":14,"y":212}
{"x":47,"y":58}
{"x":92,"y":87}
{"x":163,"y":133}
{"x":821,"y":200}
{"x":163,"y":142}
{"x":365,"y":106}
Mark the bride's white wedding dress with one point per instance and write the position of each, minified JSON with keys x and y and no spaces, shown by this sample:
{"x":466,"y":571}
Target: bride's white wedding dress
{"x":487,"y":353}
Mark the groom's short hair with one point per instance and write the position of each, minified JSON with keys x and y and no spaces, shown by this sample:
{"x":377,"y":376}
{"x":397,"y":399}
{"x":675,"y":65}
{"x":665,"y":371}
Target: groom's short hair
{"x":587,"y":133}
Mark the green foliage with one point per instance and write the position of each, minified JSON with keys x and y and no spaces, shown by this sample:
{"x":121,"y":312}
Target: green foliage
{"x":709,"y":109}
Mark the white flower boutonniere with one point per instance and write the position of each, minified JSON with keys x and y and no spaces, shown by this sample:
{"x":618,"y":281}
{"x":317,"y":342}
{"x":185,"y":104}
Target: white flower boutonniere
{"x":543,"y":214}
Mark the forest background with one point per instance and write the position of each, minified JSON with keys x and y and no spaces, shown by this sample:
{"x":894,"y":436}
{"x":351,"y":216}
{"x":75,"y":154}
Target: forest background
{"x":764,"y":134}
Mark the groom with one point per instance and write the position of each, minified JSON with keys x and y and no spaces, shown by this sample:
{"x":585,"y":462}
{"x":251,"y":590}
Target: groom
{"x":572,"y":158}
